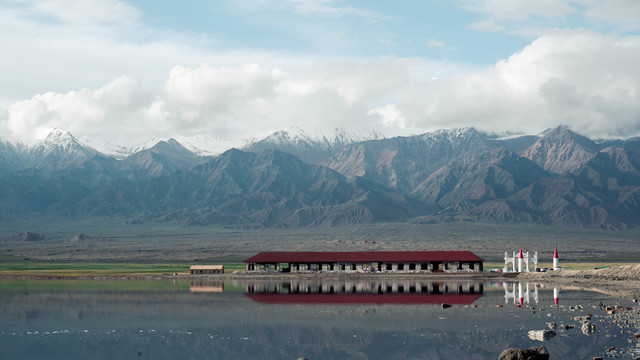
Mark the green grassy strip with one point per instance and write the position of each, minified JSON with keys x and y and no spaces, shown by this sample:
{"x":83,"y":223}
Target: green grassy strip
{"x":72,"y":269}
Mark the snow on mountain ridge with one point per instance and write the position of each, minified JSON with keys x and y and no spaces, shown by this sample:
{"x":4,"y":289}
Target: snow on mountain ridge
{"x":46,"y":140}
{"x":106,"y":148}
{"x":456,"y":135}
{"x":298,"y":136}
{"x":203,"y":145}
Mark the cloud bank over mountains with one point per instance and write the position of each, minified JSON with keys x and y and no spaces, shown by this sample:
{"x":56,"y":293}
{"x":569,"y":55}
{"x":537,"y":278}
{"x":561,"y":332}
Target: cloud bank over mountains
{"x":158,"y":84}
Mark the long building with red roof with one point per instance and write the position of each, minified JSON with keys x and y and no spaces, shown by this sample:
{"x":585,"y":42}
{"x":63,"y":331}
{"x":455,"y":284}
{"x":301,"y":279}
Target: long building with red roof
{"x":365,"y":261}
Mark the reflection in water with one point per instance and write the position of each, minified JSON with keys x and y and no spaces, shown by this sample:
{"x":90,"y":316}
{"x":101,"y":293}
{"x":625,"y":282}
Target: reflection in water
{"x":69,"y":320}
{"x":520,"y":293}
{"x":526,"y":293}
{"x":365,"y":292}
{"x":206,"y":286}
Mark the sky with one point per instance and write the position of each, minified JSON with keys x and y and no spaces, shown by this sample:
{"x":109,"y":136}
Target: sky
{"x":129,"y":71}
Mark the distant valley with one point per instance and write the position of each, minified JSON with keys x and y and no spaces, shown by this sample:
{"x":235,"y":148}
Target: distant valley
{"x":291,"y":180}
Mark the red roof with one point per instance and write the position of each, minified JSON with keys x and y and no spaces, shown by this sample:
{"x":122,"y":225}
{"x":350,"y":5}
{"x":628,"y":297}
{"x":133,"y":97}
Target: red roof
{"x":362,"y":256}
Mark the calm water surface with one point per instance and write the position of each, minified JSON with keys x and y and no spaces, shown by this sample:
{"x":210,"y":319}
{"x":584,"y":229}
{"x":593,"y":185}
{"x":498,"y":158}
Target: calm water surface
{"x":272,"y":320}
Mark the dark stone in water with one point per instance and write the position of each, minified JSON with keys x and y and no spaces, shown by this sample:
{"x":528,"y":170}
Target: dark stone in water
{"x":446,"y":306}
{"x":539,"y":353}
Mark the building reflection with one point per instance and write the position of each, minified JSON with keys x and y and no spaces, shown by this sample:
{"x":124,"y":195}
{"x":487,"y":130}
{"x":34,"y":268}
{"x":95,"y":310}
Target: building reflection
{"x":365,"y":292}
{"x":526,"y":293}
{"x":198,"y":286}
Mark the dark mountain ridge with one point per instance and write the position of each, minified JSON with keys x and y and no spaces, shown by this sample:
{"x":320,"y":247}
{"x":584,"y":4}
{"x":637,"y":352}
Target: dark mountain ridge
{"x":268,"y":189}
{"x":556,"y":178}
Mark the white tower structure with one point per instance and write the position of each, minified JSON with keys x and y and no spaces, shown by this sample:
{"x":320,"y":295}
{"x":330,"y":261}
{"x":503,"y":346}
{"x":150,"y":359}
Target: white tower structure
{"x":556,"y":260}
{"x":522,"y":263}
{"x":520,"y":257}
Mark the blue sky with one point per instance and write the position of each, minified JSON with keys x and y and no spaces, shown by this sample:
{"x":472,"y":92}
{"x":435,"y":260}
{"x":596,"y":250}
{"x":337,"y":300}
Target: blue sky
{"x":434,"y":29}
{"x":127,"y":71}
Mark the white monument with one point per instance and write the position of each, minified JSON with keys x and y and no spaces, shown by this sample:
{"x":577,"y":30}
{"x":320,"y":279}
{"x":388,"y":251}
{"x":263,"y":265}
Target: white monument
{"x":524,"y":260}
{"x":556,"y":260}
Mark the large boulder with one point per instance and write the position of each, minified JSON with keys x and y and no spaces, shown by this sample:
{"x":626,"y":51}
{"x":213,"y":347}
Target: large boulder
{"x":539,"y":353}
{"x":588,"y":328}
{"x":541,"y":335}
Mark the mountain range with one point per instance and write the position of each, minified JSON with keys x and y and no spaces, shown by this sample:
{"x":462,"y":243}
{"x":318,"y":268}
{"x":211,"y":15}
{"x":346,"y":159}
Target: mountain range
{"x":291,"y":179}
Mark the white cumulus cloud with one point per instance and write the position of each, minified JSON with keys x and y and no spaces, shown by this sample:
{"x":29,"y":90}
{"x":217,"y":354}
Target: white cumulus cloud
{"x":116,"y":110}
{"x":580,"y":78}
{"x":575,"y":77}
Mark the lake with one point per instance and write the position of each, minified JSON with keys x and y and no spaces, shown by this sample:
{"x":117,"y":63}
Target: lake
{"x":69,"y":319}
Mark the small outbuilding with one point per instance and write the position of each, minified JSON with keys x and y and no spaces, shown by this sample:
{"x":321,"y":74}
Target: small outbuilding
{"x":366,"y":261}
{"x":206,"y":269}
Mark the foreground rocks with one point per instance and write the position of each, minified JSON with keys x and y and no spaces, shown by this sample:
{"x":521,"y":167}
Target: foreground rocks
{"x":541,"y":335}
{"x":539,"y":353}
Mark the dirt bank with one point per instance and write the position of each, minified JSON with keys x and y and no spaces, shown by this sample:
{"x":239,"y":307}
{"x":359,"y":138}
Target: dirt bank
{"x":619,"y":281}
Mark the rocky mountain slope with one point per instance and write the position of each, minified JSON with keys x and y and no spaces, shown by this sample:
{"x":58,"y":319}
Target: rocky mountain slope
{"x":268,"y":189}
{"x":291,"y":179}
{"x":561,"y":150}
{"x":478,"y":177}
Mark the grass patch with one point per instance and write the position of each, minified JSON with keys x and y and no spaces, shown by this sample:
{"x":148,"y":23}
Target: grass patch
{"x":97,"y":269}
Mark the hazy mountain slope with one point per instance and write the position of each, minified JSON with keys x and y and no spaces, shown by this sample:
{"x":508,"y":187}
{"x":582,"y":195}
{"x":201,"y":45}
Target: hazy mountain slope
{"x":561,"y":150}
{"x":615,"y":173}
{"x":632,"y":144}
{"x":477,"y":177}
{"x":162,"y":159}
{"x":517,"y":144}
{"x":33,"y":191}
{"x":612,"y":168}
{"x":404,"y":162}
{"x":268,"y":189}
{"x":603,"y":193}
{"x":9,"y":159}
{"x":449,"y":174}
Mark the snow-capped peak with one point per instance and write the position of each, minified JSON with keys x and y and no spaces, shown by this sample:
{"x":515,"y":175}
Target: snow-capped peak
{"x":55,"y":139}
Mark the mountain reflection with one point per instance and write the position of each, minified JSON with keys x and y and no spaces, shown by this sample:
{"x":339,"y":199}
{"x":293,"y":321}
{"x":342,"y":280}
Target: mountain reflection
{"x":364,"y":292}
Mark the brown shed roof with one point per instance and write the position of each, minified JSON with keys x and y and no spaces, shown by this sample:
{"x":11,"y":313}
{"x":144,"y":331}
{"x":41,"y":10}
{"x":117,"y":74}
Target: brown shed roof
{"x":206,"y":267}
{"x":362,"y":256}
